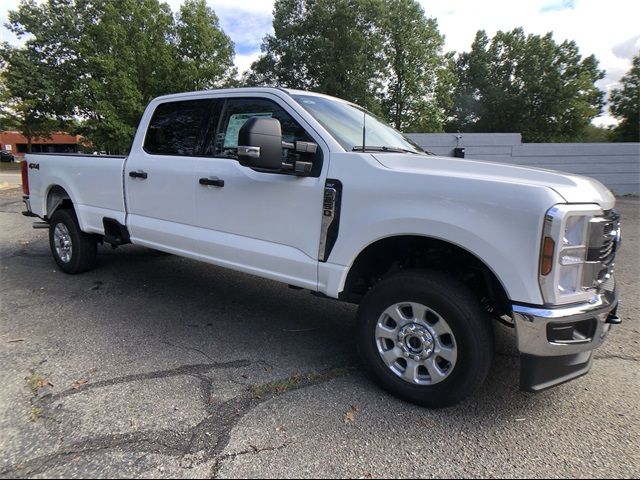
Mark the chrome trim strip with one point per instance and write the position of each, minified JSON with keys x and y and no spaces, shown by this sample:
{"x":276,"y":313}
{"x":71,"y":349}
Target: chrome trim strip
{"x":246,"y":151}
{"x":328,"y":215}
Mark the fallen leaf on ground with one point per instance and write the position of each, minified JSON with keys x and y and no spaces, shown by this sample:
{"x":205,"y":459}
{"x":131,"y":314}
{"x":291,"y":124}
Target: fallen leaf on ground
{"x":16,"y":340}
{"x":350,"y":416}
{"x":79,"y":383}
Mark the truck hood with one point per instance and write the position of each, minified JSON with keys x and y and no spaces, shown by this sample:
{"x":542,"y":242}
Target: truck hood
{"x":573,"y":188}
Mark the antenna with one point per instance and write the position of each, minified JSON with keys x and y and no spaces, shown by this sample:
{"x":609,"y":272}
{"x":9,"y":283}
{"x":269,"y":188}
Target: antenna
{"x":364,"y":129}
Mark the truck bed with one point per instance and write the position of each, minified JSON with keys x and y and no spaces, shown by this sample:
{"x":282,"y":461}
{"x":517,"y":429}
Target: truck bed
{"x":94,"y":184}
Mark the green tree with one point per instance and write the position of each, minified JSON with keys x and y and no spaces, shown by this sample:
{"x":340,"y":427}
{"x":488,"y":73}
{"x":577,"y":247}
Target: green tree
{"x":205,"y":52}
{"x":416,"y":68}
{"x":330,"y":46}
{"x":624,"y":104}
{"x":594,"y":134}
{"x":23,"y":96}
{"x":104,"y":60}
{"x":127,"y":57}
{"x":526,"y":83}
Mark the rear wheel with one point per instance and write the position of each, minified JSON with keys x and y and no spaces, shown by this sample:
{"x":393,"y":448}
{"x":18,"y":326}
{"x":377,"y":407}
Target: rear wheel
{"x":73,"y":250}
{"x":424,"y":337}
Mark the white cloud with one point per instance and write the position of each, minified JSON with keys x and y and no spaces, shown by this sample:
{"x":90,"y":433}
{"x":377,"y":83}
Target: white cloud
{"x":627,"y":49}
{"x":243,"y":62}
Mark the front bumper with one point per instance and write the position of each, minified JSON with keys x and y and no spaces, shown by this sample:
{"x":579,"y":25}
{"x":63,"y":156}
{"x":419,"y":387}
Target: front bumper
{"x":557,"y":344}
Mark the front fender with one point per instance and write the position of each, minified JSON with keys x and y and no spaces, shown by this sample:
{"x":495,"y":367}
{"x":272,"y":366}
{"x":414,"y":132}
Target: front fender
{"x":499,"y":222}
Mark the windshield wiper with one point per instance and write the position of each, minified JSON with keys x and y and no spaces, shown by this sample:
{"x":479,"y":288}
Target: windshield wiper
{"x":369,"y":148}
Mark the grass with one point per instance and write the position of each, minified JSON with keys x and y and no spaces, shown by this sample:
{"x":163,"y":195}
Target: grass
{"x":278,"y":387}
{"x":36,"y":413}
{"x":35,"y":381}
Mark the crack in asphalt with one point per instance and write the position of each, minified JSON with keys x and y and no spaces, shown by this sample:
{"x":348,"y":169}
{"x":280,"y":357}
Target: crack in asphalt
{"x":23,"y":252}
{"x":138,"y":441}
{"x":215,"y":471}
{"x":194,"y":446}
{"x":182,"y":370}
{"x":188,"y":348}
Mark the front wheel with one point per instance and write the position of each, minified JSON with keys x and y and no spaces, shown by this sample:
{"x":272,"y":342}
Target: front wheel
{"x":73,"y":250}
{"x":425,"y":338}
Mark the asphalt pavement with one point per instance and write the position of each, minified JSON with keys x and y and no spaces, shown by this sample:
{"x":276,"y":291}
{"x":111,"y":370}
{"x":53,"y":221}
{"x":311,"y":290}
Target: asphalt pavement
{"x":9,"y":180}
{"x":152,"y":365}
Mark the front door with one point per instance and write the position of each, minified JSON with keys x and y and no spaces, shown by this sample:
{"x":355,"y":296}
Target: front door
{"x":262,"y":223}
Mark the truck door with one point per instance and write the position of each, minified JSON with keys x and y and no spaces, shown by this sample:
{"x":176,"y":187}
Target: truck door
{"x":262,"y":223}
{"x":159,"y":174}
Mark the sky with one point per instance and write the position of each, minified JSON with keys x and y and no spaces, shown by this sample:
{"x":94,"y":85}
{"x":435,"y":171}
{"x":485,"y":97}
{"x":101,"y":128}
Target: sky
{"x":608,"y":29}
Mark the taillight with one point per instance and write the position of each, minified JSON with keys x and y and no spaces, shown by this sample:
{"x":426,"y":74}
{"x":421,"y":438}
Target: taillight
{"x":24,"y":168}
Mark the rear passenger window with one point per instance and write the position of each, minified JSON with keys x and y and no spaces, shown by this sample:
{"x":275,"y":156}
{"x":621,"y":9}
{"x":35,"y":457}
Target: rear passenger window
{"x":178,"y":128}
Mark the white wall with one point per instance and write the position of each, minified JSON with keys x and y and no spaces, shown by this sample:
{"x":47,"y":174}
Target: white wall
{"x":617,"y":165}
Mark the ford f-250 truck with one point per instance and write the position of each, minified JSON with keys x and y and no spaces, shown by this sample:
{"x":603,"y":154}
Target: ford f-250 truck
{"x":317,"y":193}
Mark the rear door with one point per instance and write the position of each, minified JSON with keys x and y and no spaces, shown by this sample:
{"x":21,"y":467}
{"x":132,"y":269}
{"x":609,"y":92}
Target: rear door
{"x":159,"y":174}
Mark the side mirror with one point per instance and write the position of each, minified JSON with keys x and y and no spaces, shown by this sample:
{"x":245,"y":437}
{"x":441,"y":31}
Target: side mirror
{"x":260,"y":143}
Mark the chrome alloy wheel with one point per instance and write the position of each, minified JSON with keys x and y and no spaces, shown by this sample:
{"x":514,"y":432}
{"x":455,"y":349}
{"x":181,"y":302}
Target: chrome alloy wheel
{"x":416,"y":343}
{"x":62,"y":242}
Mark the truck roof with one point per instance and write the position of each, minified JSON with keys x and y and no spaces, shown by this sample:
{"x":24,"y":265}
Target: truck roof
{"x":288,"y":91}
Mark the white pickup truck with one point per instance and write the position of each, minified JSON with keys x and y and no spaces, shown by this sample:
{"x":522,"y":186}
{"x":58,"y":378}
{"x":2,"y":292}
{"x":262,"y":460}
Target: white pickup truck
{"x":315,"y":192}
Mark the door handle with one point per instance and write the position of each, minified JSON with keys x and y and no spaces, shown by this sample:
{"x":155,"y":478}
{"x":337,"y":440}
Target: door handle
{"x":138,"y":174}
{"x":214,"y":181}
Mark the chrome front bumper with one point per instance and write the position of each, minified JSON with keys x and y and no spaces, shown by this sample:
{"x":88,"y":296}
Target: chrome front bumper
{"x":556,"y":344}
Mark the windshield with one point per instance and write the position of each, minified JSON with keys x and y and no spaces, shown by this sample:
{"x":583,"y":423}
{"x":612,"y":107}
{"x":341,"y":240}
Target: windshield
{"x":344,"y":122}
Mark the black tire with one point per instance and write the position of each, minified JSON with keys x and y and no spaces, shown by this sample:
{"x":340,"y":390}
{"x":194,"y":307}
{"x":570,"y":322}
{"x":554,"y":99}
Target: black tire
{"x":471,"y":328}
{"x":84,"y":247}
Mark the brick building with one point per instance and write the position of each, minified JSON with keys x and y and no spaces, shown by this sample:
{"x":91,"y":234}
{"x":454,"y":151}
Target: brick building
{"x":60,"y":142}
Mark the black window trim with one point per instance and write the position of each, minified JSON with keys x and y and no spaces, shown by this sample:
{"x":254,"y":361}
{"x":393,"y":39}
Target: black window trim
{"x":220,"y":101}
{"x":214,"y":101}
{"x":315,"y":136}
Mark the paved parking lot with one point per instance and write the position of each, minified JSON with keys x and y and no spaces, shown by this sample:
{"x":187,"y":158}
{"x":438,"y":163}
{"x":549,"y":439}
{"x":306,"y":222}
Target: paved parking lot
{"x":157,"y":366}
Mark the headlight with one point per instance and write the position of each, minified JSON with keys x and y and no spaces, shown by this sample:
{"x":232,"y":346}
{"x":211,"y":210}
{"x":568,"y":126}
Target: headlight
{"x":563,"y":257}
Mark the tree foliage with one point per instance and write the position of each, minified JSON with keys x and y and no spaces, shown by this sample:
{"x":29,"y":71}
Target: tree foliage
{"x":23,"y":107}
{"x":330,"y":46}
{"x":416,"y":69}
{"x":102,"y":61}
{"x":97,"y":63}
{"x":625,"y":105}
{"x":385,"y":55}
{"x":205,"y":51}
{"x":526,"y":83}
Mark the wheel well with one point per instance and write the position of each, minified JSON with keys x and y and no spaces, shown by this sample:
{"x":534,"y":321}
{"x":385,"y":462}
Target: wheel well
{"x":57,"y":198}
{"x":392,"y":254}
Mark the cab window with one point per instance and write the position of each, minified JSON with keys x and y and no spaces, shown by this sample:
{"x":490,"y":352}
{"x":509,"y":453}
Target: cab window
{"x":178,"y":128}
{"x":238,"y":110}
